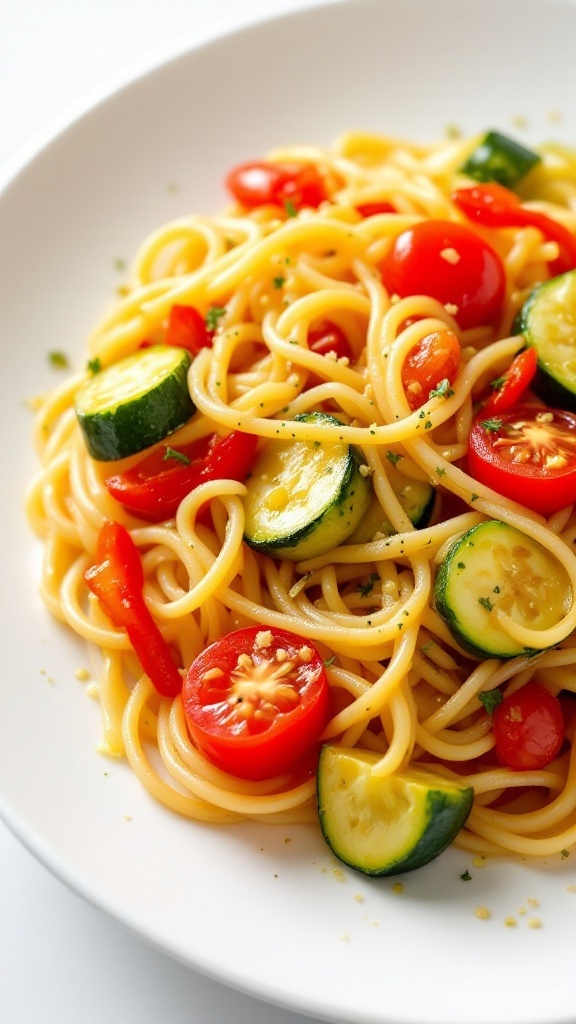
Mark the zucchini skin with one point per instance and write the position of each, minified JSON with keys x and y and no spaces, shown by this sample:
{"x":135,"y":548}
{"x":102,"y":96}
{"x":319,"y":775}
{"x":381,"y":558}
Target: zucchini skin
{"x":336,"y":518}
{"x":391,"y":825}
{"x":140,"y":420}
{"x":501,"y":159}
{"x":555,"y":380}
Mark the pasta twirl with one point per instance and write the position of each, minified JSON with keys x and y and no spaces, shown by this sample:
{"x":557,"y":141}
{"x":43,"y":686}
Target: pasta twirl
{"x":271,"y":282}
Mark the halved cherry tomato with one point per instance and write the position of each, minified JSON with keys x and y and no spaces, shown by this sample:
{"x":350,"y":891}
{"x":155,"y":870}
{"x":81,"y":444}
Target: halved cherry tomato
{"x":261,"y":182}
{"x":435,"y":359}
{"x":509,"y":388}
{"x":495,"y":206}
{"x":528,"y":728}
{"x":256,"y":701}
{"x":528,"y":454}
{"x":371,"y":209}
{"x":452,"y":264}
{"x":154,"y":488}
{"x":328,"y":337}
{"x":187,"y":329}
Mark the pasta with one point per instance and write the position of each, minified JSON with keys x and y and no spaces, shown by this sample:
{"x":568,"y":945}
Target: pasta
{"x":402,"y":685}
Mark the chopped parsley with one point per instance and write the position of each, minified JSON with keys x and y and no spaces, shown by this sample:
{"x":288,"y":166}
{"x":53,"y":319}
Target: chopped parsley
{"x":366,"y":588}
{"x":291,"y":210}
{"x":213,"y":316}
{"x":393,"y":458}
{"x":59,"y":360}
{"x":486,"y":603}
{"x":171,"y":453}
{"x":94,"y":365}
{"x":490,"y":699}
{"x":329,"y":661}
{"x":440,"y":471}
{"x":491,"y":425}
{"x":442,"y":389}
{"x":497,"y":383}
{"x":279,"y":281}
{"x":466,"y":876}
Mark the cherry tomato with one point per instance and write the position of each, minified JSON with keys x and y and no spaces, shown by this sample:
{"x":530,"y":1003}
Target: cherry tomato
{"x":260,"y":183}
{"x":435,"y":359}
{"x":508,"y":390}
{"x":528,"y":454}
{"x":256,"y":701}
{"x":371,"y":209}
{"x":452,"y":264}
{"x":328,"y":337}
{"x":495,"y":206}
{"x":528,"y":728}
{"x":154,"y":488}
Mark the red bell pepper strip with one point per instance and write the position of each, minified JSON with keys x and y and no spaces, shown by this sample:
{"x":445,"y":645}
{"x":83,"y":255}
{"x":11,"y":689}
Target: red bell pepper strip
{"x":495,"y":206}
{"x":154,"y":488}
{"x":187,"y":329}
{"x":117,"y":579}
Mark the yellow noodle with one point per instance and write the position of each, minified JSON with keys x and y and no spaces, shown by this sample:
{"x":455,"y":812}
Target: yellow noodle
{"x":401,"y":684}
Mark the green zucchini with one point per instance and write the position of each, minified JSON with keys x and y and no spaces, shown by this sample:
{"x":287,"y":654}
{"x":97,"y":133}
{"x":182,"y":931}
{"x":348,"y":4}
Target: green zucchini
{"x":547,"y":321}
{"x":499,"y":158}
{"x":417,"y":498}
{"x":135,"y":402}
{"x":494,"y":566}
{"x":386,"y":826}
{"x":304,"y":497}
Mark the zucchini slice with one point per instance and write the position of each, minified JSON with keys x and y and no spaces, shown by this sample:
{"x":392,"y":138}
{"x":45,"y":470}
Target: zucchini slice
{"x":499,"y":158}
{"x":547,"y":321}
{"x":304,"y":497}
{"x":386,"y":826}
{"x":494,"y":565}
{"x":135,"y":402}
{"x":417,"y":498}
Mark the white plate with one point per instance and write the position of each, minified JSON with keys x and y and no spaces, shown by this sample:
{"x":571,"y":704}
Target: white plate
{"x":272,"y":917}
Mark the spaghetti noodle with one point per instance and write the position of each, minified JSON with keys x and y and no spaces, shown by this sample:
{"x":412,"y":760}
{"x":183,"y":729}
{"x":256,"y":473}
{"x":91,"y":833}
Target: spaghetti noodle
{"x":402,"y":686}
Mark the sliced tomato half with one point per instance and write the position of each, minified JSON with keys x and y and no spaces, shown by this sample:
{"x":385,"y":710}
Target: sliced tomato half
{"x":256,"y":701}
{"x":527,"y":453}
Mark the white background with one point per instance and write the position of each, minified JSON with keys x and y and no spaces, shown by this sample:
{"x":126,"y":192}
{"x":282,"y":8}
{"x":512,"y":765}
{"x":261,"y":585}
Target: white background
{"x":61,"y":960}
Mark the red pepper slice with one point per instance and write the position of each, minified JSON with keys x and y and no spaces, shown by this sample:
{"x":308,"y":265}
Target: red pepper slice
{"x":117,"y":579}
{"x":497,"y":207}
{"x":154,"y":488}
{"x":187,"y":329}
{"x":511,"y":386}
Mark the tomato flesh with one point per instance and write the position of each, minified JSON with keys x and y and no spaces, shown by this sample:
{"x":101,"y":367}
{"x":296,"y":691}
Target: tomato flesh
{"x":261,"y":183}
{"x":327,"y":337}
{"x":256,"y":701}
{"x":434,"y":360}
{"x":528,"y":454}
{"x":452,"y":264}
{"x":528,"y":728}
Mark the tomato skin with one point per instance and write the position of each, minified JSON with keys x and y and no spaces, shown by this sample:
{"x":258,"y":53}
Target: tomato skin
{"x":434,"y":359}
{"x":545,"y":488}
{"x":515,"y":381}
{"x":261,"y":183}
{"x":154,"y":487}
{"x":262,"y":720}
{"x":452,"y":264}
{"x":328,"y":337}
{"x":528,"y":728}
